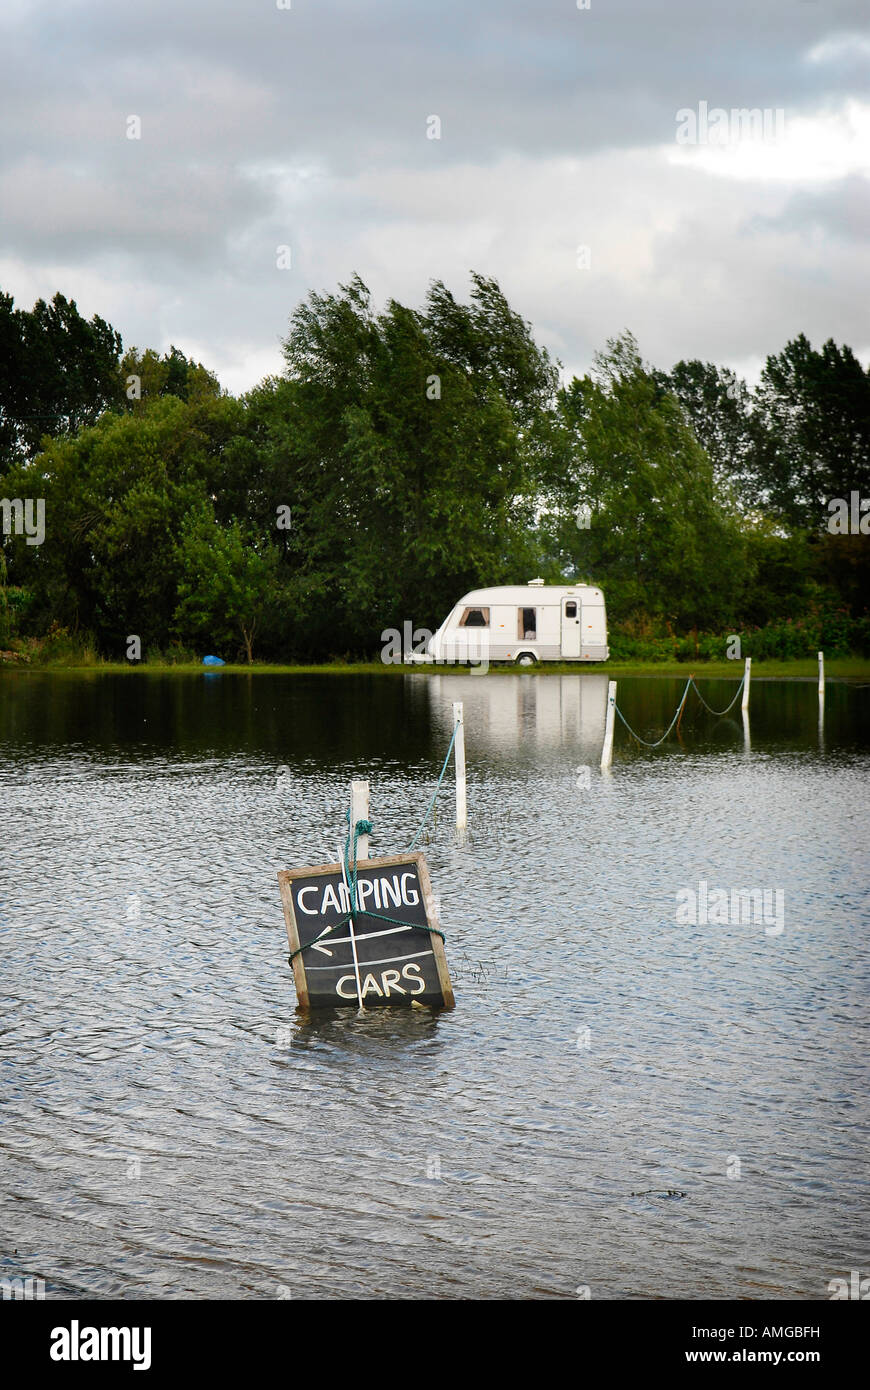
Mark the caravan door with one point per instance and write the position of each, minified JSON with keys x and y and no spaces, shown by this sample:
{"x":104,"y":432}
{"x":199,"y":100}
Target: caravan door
{"x":570,"y":627}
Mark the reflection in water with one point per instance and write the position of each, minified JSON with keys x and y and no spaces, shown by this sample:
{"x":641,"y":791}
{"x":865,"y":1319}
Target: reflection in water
{"x":747,"y":741}
{"x":361,"y":1033}
{"x":522,"y":711}
{"x":173,"y":1127}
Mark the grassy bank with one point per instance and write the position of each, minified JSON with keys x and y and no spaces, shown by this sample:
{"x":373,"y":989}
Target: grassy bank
{"x":843,"y":668}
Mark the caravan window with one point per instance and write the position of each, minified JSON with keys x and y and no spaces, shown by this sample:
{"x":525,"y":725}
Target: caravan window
{"x":570,"y":608}
{"x":527,"y":624}
{"x":475,"y":617}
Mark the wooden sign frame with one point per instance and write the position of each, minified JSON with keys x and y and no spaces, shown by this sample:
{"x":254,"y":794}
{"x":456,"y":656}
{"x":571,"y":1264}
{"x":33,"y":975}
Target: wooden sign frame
{"x":301,"y":963}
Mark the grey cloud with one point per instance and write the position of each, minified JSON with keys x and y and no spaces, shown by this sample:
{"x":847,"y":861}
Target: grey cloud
{"x":350,"y":82}
{"x":839,"y":211}
{"x":307,"y":127}
{"x":171,"y":213}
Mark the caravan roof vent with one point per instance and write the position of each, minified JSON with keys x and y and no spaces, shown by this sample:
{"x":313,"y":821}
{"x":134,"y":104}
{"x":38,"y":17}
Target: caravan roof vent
{"x":536,"y":583}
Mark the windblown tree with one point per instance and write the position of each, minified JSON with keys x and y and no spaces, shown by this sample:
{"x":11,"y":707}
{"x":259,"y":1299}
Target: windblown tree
{"x":786,"y":448}
{"x":720,"y":409}
{"x":817,"y":410}
{"x":404,"y":457}
{"x":403,"y":443}
{"x":659,"y":539}
{"x":11,"y":379}
{"x":145,"y":376}
{"x":58,"y":373}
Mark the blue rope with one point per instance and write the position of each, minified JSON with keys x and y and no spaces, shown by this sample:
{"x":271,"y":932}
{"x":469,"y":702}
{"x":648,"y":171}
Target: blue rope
{"x":362,"y":827}
{"x":365,"y":827}
{"x":718,"y":712}
{"x":667,"y":731}
{"x":436,"y":791}
{"x":691,"y":681}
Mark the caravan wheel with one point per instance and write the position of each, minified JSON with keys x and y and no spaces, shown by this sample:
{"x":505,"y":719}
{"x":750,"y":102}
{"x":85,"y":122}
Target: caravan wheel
{"x":526,"y":659}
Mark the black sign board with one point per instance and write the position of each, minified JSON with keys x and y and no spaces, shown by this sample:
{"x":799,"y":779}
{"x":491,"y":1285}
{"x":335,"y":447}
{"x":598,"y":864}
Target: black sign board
{"x":385,"y":955}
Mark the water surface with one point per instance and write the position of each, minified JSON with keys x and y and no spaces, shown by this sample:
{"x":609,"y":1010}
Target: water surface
{"x":172,"y":1127}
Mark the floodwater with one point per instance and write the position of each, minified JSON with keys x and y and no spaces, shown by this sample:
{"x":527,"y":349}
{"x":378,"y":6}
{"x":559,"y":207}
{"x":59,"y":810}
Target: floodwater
{"x":624,"y":1103}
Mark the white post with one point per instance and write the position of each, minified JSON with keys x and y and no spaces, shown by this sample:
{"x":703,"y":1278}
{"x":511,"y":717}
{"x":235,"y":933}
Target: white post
{"x":359,"y":810}
{"x":747,"y":671}
{"x":821,"y":675}
{"x":459,"y":753}
{"x":607,"y":750}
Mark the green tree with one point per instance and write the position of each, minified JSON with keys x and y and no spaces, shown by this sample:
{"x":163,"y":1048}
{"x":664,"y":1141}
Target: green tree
{"x":660,"y":540}
{"x":116,"y":498}
{"x":720,"y":410}
{"x":145,"y":376}
{"x":816,"y":406}
{"x":59,"y":372}
{"x":11,"y":379}
{"x":403,"y":444}
{"x":228,"y":583}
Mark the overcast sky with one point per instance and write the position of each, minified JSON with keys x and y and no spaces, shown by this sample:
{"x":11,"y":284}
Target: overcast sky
{"x":308,"y":127}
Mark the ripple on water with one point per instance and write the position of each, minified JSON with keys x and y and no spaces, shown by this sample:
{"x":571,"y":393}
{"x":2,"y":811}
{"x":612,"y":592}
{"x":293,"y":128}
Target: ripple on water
{"x":173,"y":1127}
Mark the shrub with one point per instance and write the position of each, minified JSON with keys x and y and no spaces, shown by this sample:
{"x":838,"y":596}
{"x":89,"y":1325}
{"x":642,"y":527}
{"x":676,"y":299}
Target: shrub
{"x":60,"y":647}
{"x":822,"y":628}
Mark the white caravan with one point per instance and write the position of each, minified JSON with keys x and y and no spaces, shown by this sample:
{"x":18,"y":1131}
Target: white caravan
{"x":524,"y":623}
